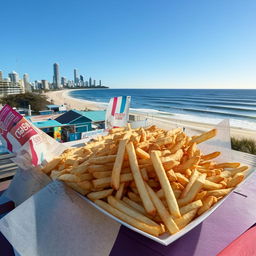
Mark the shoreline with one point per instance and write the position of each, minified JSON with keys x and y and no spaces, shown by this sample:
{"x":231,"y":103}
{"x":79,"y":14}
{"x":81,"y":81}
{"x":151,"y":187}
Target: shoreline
{"x":62,"y":98}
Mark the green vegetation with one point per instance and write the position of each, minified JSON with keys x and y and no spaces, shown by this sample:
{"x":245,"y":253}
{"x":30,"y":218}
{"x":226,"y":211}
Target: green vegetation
{"x":244,"y":145}
{"x":37,"y":101}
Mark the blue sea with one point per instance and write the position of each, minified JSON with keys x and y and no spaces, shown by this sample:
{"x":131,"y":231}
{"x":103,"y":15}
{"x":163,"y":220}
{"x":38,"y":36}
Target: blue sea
{"x":208,"y":106}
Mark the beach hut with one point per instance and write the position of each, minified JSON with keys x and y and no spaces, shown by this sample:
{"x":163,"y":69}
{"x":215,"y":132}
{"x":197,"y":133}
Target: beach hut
{"x":53,"y":128}
{"x":82,"y":121}
{"x":57,"y":108}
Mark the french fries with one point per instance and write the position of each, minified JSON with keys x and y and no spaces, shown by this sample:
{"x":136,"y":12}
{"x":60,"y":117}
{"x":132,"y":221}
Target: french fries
{"x":142,"y":154}
{"x":121,"y":206}
{"x":191,"y":206}
{"x":135,"y":205}
{"x":235,"y":180}
{"x":205,"y":136}
{"x":153,"y":230}
{"x":105,"y":182}
{"x":166,"y":186}
{"x":115,"y":178}
{"x":195,"y":188}
{"x":227,"y":165}
{"x":207,"y":203}
{"x":162,"y":211}
{"x":185,"y":219}
{"x":139,"y":180}
{"x":51,"y":165}
{"x":120,"y":191}
{"x":190,"y":183}
{"x":69,"y":177}
{"x":155,"y":180}
{"x":210,"y":156}
{"x":99,"y":194}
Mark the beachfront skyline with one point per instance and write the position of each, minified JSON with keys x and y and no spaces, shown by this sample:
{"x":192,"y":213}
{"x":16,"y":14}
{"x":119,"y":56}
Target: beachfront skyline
{"x":134,"y":43}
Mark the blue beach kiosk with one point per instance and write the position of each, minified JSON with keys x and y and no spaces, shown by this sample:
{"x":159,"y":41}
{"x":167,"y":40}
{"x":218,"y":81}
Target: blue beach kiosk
{"x":82,"y":121}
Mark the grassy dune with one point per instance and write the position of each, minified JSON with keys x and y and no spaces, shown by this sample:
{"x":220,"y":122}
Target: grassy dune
{"x":244,"y":145}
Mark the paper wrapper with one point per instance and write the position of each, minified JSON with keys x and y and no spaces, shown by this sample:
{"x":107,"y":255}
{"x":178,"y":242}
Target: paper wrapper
{"x":33,"y":149}
{"x":26,"y":183}
{"x":56,"y":221}
{"x":32,"y":146}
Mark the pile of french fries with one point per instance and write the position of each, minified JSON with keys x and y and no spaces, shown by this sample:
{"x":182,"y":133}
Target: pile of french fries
{"x":155,"y":180}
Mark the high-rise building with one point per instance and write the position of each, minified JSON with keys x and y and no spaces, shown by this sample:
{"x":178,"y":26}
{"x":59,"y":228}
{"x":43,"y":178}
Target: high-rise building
{"x":1,"y":75}
{"x":33,"y":85}
{"x":76,"y":79}
{"x":90,"y":82}
{"x":7,"y":87}
{"x":21,"y":85}
{"x":45,"y":85}
{"x":26,"y":78}
{"x":94,"y":83}
{"x":14,"y":76}
{"x":27,"y":85}
{"x":63,"y":81}
{"x":51,"y":86}
{"x":56,"y":76}
{"x":70,"y":83}
{"x":38,"y":85}
{"x":81,"y":80}
{"x":99,"y":82}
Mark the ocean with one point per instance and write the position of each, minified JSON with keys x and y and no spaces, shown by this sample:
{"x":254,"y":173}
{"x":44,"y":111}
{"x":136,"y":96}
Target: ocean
{"x":206,"y":106}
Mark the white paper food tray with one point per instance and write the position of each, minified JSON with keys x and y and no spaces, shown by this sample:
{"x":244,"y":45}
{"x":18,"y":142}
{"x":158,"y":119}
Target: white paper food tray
{"x":166,"y":238}
{"x":221,"y":143}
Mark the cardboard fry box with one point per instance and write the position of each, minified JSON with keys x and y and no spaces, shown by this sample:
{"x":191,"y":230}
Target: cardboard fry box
{"x":31,"y":177}
{"x":221,"y":142}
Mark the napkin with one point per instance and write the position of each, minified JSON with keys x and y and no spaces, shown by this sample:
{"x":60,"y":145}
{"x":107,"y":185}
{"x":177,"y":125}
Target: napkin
{"x":57,"y":221}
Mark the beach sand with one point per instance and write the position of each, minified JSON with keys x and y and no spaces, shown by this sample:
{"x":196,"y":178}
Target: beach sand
{"x":62,"y":97}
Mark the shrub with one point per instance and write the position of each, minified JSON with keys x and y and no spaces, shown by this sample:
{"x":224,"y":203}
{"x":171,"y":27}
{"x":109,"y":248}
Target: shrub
{"x":37,"y":101}
{"x":244,"y":145}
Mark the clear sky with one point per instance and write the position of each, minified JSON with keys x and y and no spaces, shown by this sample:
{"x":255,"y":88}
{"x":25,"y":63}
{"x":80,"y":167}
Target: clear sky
{"x":133,"y":43}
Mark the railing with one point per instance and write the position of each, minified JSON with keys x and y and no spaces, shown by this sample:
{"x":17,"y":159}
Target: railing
{"x":7,"y":167}
{"x":91,"y":133}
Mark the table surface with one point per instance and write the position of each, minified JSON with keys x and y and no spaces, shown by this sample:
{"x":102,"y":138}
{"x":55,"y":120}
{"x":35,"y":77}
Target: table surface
{"x":129,"y":242}
{"x":229,"y":221}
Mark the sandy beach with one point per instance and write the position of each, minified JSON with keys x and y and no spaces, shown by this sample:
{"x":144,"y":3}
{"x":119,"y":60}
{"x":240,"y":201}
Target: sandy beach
{"x":62,"y":97}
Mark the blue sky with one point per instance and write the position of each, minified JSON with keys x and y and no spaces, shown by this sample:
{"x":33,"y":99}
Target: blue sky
{"x":133,"y":43}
